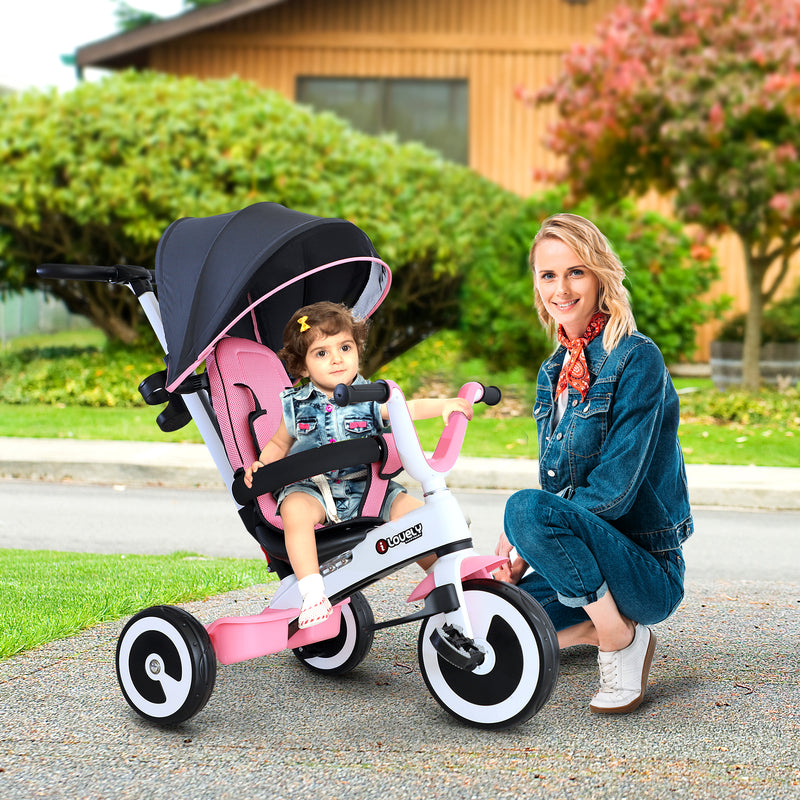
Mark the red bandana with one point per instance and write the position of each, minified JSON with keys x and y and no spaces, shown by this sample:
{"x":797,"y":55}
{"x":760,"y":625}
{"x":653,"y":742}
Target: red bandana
{"x":575,"y":372}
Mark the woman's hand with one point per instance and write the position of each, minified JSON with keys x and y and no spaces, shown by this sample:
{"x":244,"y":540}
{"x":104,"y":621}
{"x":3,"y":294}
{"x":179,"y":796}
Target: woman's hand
{"x":512,"y":571}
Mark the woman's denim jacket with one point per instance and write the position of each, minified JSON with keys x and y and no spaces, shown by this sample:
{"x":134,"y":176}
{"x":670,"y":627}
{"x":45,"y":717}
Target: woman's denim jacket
{"x":616,"y":453}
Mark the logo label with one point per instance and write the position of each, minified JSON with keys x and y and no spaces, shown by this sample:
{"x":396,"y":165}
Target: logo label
{"x":404,"y":537}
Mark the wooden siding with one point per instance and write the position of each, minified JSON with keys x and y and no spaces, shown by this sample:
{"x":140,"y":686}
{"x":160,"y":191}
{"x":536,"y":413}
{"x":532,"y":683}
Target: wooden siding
{"x":495,"y":45}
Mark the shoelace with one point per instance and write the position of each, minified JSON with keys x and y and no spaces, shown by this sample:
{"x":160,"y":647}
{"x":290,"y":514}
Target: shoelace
{"x":609,"y":676}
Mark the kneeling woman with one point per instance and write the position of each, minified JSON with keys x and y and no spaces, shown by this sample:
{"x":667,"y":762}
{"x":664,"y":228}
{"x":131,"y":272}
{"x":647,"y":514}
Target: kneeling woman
{"x":604,"y":533}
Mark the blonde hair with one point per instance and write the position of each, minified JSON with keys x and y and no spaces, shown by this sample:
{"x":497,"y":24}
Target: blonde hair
{"x":597,"y":255}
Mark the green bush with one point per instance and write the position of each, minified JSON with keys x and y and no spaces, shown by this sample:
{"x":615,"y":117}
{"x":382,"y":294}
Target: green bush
{"x":95,"y":175}
{"x":665,"y":279}
{"x":84,"y":376}
{"x":767,"y":407}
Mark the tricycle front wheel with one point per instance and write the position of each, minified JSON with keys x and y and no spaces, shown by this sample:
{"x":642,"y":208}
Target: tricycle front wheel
{"x":520,"y":665}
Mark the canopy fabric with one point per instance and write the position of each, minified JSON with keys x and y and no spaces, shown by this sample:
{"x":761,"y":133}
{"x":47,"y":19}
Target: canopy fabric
{"x":246,"y":272}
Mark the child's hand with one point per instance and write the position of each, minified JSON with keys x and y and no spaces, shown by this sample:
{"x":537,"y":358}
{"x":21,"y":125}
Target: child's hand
{"x":455,"y":404}
{"x":248,"y":473}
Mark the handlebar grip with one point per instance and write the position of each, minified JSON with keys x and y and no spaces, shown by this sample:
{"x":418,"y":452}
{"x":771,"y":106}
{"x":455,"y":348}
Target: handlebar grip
{"x":344,"y":395}
{"x":491,"y":395}
{"x":121,"y":273}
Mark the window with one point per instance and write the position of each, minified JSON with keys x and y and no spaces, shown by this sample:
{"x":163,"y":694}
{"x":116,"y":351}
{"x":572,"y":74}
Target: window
{"x":433,"y":112}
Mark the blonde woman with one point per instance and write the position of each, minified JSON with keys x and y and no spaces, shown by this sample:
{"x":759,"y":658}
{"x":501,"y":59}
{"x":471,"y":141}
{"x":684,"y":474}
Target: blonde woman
{"x":603,"y":535}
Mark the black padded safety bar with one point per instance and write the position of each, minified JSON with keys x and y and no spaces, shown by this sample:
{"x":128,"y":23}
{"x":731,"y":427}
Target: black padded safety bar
{"x":299,"y":466}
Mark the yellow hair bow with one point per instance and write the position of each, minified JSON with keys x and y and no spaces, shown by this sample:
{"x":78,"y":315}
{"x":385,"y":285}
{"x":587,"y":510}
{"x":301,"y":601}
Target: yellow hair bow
{"x":303,"y":322}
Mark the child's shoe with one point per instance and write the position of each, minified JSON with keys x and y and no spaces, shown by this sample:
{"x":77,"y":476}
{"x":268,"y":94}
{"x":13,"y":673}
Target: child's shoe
{"x":316,"y":607}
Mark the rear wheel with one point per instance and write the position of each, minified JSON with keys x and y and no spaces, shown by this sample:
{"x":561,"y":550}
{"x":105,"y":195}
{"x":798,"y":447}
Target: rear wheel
{"x":349,"y":647}
{"x":520,"y":667}
{"x":166,"y":666}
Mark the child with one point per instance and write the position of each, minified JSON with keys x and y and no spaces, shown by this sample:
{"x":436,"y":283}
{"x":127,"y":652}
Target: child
{"x":323,"y":342}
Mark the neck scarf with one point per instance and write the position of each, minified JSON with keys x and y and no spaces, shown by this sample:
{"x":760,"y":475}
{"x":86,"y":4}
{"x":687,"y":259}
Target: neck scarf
{"x":575,"y":372}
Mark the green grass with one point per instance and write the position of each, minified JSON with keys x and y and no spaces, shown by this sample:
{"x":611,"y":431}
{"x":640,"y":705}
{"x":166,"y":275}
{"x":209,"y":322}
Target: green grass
{"x":704,"y":440}
{"x":46,"y":595}
{"x":43,"y":421}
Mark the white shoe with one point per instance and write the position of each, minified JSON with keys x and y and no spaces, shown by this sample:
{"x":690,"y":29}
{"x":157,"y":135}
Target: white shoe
{"x":315,"y":609}
{"x":623,"y":674}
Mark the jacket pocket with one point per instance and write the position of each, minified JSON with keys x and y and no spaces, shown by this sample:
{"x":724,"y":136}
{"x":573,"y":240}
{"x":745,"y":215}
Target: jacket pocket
{"x":589,"y":426}
{"x":358,"y":426}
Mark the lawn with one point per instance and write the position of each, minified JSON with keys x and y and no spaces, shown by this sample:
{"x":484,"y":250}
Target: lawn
{"x":46,"y":595}
{"x":704,"y":442}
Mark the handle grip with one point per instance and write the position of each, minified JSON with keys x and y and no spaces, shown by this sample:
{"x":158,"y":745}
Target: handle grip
{"x":491,"y":395}
{"x":121,"y":273}
{"x":344,"y":395}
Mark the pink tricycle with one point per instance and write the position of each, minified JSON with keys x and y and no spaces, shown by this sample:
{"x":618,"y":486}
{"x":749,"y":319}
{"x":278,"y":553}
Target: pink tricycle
{"x":227,"y":285}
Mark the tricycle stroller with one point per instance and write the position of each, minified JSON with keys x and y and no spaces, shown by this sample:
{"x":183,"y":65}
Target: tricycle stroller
{"x":227,"y":285}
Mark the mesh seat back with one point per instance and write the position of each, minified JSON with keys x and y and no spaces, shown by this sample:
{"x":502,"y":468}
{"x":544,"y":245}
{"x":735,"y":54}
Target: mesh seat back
{"x":246,"y":379}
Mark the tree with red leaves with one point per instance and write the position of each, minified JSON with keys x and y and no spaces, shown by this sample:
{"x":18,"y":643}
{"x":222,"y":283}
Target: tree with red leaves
{"x":701,"y":102}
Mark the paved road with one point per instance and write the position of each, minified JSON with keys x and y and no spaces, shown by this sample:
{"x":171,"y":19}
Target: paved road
{"x":91,"y":518}
{"x":722,"y":717}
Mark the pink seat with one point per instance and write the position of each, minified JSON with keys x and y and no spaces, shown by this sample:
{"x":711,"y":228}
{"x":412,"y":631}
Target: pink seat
{"x":246,"y":379}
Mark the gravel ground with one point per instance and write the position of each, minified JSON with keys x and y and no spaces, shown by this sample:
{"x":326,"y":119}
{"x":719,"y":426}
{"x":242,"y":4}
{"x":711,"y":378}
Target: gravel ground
{"x":721,"y":719}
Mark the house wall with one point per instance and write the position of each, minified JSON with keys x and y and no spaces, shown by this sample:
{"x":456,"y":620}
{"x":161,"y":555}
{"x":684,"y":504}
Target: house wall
{"x":495,"y":45}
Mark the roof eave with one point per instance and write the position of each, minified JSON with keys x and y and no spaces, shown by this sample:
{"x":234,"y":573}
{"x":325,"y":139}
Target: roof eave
{"x":117,"y":49}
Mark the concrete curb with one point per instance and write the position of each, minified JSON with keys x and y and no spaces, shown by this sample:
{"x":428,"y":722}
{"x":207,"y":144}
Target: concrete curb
{"x":191,"y":466}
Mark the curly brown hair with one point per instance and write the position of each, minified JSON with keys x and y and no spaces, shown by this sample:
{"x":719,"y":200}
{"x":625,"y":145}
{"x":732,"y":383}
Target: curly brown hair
{"x":321,"y":319}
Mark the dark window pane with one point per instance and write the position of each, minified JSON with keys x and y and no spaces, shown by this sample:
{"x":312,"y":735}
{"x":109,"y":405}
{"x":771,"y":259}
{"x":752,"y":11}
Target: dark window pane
{"x":434,"y":112}
{"x":358,"y":101}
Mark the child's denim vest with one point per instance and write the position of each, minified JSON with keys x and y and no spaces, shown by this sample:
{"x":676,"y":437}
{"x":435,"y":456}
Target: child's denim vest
{"x":312,"y":419}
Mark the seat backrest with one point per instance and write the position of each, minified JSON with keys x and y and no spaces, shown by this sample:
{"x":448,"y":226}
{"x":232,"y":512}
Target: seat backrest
{"x":246,"y":379}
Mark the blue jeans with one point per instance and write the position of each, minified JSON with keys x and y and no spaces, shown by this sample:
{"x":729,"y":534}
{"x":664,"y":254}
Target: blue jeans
{"x":578,"y":557}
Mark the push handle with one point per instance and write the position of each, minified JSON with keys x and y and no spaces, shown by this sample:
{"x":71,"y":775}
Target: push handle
{"x":121,"y":273}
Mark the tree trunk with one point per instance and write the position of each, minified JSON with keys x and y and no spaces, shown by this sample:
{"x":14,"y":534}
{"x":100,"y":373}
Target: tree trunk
{"x":751,"y":366}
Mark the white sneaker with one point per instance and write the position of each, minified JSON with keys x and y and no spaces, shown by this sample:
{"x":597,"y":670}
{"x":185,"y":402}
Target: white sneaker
{"x":315,"y":609}
{"x":623,"y":674}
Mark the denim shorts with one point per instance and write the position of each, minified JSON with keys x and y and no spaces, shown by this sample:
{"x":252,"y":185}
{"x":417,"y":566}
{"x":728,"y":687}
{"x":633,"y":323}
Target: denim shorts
{"x":347,"y":495}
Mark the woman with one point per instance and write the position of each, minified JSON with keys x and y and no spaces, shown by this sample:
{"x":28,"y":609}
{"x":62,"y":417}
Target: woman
{"x":603,"y":535}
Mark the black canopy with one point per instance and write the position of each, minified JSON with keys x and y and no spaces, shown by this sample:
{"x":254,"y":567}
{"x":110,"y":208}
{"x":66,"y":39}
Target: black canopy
{"x":245,"y":273}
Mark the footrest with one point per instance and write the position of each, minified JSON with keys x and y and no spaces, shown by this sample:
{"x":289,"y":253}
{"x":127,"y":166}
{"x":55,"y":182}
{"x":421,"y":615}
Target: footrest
{"x":456,"y":648}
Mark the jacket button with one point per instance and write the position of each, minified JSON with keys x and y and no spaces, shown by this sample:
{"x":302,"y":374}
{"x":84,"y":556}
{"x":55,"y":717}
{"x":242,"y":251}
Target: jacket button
{"x":574,"y":403}
{"x":559,"y":436}
{"x":551,"y":473}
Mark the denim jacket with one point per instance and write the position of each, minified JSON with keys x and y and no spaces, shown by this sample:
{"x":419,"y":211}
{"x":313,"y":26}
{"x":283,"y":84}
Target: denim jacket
{"x":616,"y":453}
{"x":312,"y":419}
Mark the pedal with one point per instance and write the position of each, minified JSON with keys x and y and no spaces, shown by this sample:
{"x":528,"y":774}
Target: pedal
{"x":456,"y":649}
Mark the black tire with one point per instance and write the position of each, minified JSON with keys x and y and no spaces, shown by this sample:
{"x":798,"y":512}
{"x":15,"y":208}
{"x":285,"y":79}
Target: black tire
{"x":166,"y":666}
{"x":349,"y":648}
{"x":522,"y":658}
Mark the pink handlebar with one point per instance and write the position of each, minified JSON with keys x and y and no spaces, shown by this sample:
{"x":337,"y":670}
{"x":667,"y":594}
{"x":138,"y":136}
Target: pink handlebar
{"x":449,"y":445}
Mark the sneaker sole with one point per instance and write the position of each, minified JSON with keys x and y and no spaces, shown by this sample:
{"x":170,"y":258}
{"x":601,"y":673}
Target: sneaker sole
{"x":636,"y":702}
